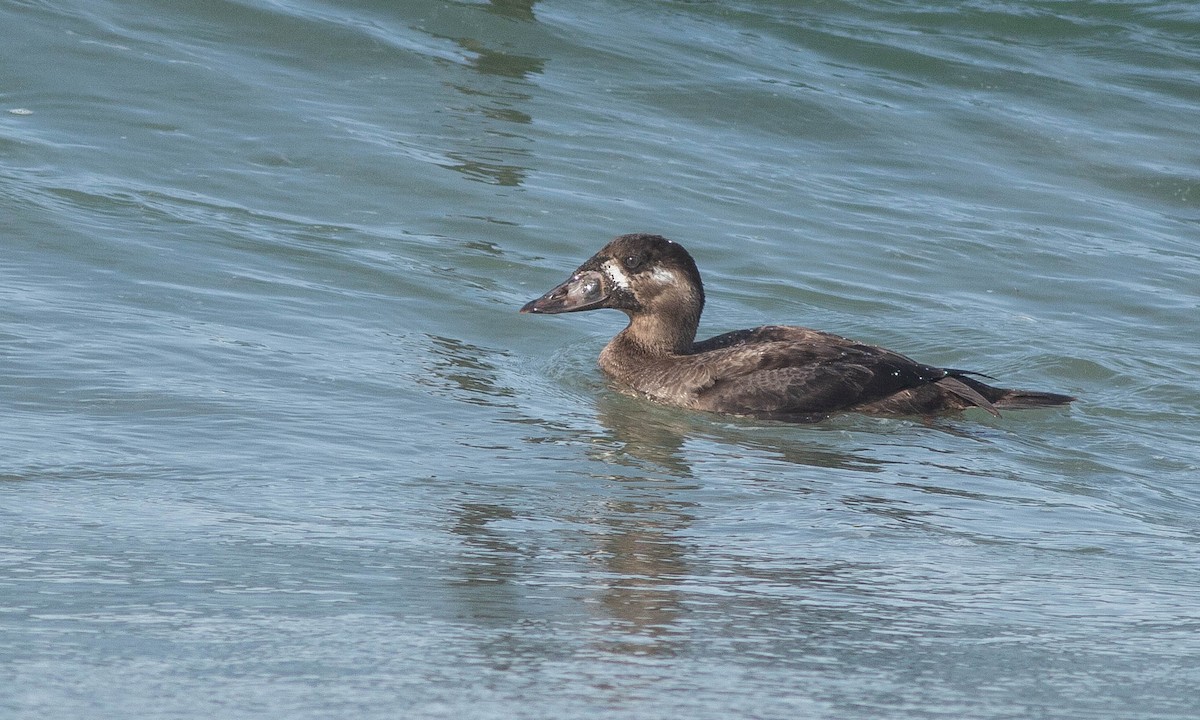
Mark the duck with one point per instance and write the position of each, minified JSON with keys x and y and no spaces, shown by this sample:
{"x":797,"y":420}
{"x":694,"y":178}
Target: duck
{"x":773,"y":372}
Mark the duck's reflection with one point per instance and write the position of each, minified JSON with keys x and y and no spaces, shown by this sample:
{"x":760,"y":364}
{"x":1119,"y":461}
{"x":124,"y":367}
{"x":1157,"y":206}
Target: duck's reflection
{"x":644,"y":559}
{"x":637,"y":536}
{"x":487,"y":543}
{"x":647,"y":556}
{"x":631,"y":533}
{"x":657,"y":435}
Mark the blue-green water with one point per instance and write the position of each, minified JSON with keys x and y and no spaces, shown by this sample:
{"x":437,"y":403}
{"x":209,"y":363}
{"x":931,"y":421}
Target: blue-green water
{"x":274,"y":442}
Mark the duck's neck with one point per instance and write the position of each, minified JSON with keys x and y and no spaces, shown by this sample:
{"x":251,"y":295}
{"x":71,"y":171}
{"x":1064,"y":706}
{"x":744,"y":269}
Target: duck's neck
{"x":659,"y":334}
{"x":630,"y":355}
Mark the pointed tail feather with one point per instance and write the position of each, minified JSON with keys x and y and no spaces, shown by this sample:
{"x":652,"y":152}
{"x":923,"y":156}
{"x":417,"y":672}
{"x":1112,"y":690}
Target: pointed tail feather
{"x":1024,"y":399}
{"x":1012,"y":399}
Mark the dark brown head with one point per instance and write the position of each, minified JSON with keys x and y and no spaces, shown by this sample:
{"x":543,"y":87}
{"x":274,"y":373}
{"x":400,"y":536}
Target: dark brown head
{"x":651,"y":279}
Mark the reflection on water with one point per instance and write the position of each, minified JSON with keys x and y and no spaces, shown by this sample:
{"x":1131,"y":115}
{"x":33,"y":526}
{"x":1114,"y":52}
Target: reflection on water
{"x":491,"y":557}
{"x":653,"y":438}
{"x":634,"y":541}
{"x":494,"y":62}
{"x":637,"y":537}
{"x":496,"y":173}
{"x":515,"y":9}
{"x":495,"y":152}
{"x":465,"y":370}
{"x":644,"y":561}
{"x":657,"y":435}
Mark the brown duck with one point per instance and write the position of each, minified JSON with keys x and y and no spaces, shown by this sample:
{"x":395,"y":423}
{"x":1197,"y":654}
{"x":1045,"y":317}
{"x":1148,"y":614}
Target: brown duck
{"x":775,"y":372}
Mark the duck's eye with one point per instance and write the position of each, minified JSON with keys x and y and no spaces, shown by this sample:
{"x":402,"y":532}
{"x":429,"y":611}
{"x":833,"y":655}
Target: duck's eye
{"x":633,"y":261}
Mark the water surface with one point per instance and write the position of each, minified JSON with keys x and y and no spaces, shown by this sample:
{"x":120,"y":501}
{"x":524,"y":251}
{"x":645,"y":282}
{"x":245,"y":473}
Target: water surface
{"x":277,"y":444}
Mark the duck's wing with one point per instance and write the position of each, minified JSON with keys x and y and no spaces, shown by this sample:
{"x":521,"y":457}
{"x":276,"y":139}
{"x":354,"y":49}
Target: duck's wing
{"x":803,"y":376}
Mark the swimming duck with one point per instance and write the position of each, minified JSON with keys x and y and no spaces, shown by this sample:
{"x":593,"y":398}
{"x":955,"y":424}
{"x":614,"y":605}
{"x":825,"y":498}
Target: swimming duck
{"x":772,"y":372}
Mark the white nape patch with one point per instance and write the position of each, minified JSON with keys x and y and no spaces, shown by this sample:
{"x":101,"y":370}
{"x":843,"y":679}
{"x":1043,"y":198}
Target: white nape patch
{"x":616,"y":274}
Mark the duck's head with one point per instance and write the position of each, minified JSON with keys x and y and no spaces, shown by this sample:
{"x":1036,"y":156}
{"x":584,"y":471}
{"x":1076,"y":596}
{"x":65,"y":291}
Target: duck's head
{"x":638,"y":274}
{"x":649,"y":278}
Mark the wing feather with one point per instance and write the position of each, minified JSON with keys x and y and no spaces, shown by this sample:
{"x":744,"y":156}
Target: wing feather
{"x":794,"y":371}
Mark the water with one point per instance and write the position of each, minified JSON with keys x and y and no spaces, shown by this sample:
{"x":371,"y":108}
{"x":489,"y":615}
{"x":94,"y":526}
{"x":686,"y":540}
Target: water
{"x":275,"y":442}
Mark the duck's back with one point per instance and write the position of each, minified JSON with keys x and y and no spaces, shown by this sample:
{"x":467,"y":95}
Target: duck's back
{"x":798,"y":373}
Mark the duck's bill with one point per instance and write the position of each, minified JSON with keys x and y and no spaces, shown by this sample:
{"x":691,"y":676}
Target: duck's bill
{"x":582,"y":291}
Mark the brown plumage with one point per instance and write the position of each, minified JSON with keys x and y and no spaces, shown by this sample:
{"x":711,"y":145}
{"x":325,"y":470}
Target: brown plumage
{"x":777,"y":372}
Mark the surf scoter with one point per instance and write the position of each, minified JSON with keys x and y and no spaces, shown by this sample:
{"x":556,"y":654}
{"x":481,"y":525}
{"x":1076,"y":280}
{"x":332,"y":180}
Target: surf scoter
{"x":773,"y":372}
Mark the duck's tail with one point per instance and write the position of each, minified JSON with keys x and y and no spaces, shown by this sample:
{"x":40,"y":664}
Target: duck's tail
{"x":1024,"y":399}
{"x":994,"y":397}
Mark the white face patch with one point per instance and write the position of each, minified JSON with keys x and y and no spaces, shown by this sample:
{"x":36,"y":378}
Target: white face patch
{"x":664,"y":276}
{"x":616,"y":274}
